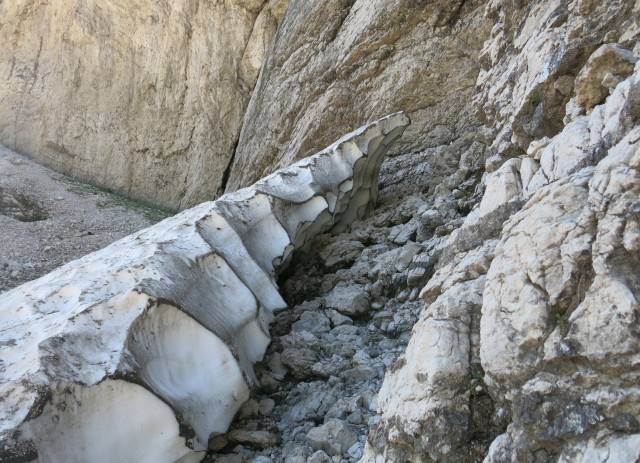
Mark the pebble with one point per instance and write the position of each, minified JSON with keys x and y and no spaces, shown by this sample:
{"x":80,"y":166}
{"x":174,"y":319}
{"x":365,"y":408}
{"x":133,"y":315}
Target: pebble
{"x":333,"y":437}
{"x":261,"y":439}
{"x":348,"y":299}
{"x":319,"y":457}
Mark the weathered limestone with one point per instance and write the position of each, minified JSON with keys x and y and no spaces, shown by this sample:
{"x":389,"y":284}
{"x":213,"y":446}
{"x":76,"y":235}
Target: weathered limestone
{"x":425,"y":399}
{"x":559,"y":343}
{"x":529,"y":340}
{"x":89,"y":347}
{"x":339,"y":63}
{"x":608,"y":60}
{"x":530,"y":63}
{"x":145,"y":98}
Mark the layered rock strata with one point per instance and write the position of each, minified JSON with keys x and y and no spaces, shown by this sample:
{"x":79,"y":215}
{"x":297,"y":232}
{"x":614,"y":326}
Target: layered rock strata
{"x":527,"y":341}
{"x":339,"y":63}
{"x":145,"y":98}
{"x":105,"y":358}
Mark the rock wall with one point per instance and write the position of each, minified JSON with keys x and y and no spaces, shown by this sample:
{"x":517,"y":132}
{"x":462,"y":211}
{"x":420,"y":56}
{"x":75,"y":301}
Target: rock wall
{"x":527,"y":341}
{"x":145,"y":98}
{"x":340,"y":63}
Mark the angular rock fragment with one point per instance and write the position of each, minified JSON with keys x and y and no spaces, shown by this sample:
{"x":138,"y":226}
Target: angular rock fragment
{"x":608,"y":59}
{"x":334,"y":437}
{"x":143,"y":351}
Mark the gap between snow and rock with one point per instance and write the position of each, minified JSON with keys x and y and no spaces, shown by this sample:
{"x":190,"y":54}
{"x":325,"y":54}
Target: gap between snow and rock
{"x":130,"y":327}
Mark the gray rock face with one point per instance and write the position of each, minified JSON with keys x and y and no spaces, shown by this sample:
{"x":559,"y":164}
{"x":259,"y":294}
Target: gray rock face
{"x":530,"y":64}
{"x":343,"y":62}
{"x":529,"y":314}
{"x":565,"y":314}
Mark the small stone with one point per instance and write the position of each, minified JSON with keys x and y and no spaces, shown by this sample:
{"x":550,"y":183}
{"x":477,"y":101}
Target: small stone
{"x":341,"y":254}
{"x":262,"y":459}
{"x":356,"y":450}
{"x":355,"y":417}
{"x":359,"y":373}
{"x":248,"y":410}
{"x":415,"y":277}
{"x":348,"y":299}
{"x":260,"y":439}
{"x":266,"y":406}
{"x":406,"y":255}
{"x":334,"y":437}
{"x":230,"y":458}
{"x":319,"y":457}
{"x":277,"y":367}
{"x":218,"y":442}
{"x":299,"y":361}
{"x":400,"y":234}
{"x":298,"y":455}
{"x":311,"y":401}
{"x":344,"y":407}
{"x":332,"y":367}
{"x":362,"y":358}
{"x":337,"y":318}
{"x":315,"y":322}
{"x":431,"y":219}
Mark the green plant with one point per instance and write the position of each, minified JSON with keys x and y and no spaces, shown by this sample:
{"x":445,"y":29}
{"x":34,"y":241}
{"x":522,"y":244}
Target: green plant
{"x":477,"y":380}
{"x":151,"y":213}
{"x":560,"y":319}
{"x":535,"y":98}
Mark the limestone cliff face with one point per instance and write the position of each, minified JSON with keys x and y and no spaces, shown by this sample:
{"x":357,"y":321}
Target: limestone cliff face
{"x":528,"y":339}
{"x":143,"y":97}
{"x":339,"y":63}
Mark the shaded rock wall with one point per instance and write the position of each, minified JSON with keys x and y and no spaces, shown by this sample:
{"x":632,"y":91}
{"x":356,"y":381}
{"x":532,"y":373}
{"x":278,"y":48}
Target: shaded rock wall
{"x":156,"y":100}
{"x":341,"y":63}
{"x":145,"y":98}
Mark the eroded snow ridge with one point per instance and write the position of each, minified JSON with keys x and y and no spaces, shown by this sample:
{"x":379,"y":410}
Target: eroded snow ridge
{"x":144,"y":350}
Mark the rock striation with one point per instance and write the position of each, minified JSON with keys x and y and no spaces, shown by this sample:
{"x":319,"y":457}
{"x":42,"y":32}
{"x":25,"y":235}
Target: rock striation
{"x":341,"y":63}
{"x":103,"y":358}
{"x":518,"y":355}
{"x":144,"y":98}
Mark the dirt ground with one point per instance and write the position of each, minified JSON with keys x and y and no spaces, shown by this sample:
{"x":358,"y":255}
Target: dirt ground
{"x":48,"y":219}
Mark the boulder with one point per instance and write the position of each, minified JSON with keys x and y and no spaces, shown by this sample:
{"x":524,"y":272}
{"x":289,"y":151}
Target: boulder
{"x":591,"y":88}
